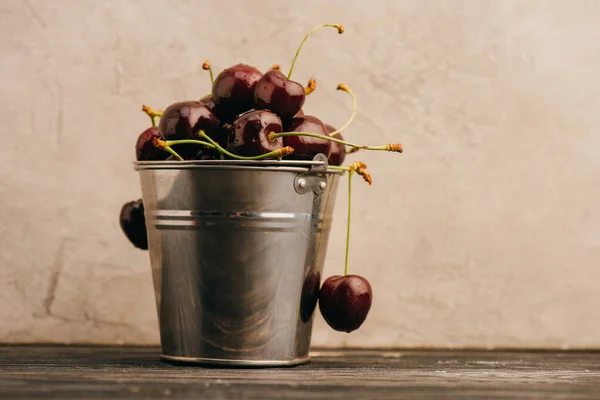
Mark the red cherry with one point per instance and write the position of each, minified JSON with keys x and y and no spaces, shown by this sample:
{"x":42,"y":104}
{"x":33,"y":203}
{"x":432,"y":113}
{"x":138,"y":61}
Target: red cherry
{"x":345,"y":301}
{"x":277,"y":93}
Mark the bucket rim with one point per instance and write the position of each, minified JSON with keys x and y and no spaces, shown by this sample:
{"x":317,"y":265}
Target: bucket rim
{"x":261,"y":165}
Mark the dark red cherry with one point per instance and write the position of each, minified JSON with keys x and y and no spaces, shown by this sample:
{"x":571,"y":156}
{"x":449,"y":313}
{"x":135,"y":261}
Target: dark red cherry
{"x":250,"y":133}
{"x":345,"y":301}
{"x":133,"y":223}
{"x":183,"y":120}
{"x":277,"y":93}
{"x":306,"y":147}
{"x":145,"y":149}
{"x":309,"y":295}
{"x":233,"y":89}
{"x":338,"y":150}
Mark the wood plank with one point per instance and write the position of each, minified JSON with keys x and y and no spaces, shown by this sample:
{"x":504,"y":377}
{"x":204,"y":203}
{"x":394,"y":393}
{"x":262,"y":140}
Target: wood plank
{"x":130,"y":372}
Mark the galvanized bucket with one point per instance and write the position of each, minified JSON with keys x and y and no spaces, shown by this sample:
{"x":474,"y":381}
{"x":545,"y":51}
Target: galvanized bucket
{"x":237,"y":250}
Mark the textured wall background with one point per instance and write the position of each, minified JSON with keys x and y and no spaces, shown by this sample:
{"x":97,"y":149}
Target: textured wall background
{"x":485,"y":232}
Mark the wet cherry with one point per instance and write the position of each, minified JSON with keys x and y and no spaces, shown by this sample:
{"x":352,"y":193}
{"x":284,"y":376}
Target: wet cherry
{"x":345,"y":301}
{"x":133,"y":223}
{"x":306,"y":147}
{"x":277,"y":93}
{"x":145,"y":149}
{"x":183,"y":120}
{"x":233,"y":89}
{"x":250,"y":133}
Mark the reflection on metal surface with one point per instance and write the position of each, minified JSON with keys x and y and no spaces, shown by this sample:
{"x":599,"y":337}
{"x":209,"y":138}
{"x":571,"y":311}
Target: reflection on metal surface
{"x":231,"y":248}
{"x":279,"y":221}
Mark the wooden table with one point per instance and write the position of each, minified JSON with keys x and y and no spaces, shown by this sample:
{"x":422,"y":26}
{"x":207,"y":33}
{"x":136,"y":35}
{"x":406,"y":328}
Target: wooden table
{"x":130,"y":372}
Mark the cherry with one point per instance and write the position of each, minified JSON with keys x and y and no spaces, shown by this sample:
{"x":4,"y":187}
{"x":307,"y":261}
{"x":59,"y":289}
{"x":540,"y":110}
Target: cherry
{"x":183,"y":120}
{"x":345,"y":301}
{"x":310,"y":295}
{"x":250,"y":133}
{"x":233,"y":89}
{"x":306,"y":147}
{"x":145,"y":149}
{"x":133,"y":223}
{"x":338,"y":150}
{"x":277,"y":93}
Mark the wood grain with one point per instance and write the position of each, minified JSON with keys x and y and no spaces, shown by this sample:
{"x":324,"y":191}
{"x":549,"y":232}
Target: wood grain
{"x":130,"y":372}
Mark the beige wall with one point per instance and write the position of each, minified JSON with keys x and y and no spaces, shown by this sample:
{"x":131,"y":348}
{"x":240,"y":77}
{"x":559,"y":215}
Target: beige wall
{"x":485,"y":232}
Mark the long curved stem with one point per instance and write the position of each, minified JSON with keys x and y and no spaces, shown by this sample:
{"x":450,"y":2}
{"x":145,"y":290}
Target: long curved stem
{"x":340,"y":29}
{"x":279,"y":153}
{"x":347,"y":89}
{"x":189,"y":141}
{"x":350,"y":173}
{"x":395,"y":147}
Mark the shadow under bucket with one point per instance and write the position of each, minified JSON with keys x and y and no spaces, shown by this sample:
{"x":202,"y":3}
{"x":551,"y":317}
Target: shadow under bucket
{"x":237,"y":251}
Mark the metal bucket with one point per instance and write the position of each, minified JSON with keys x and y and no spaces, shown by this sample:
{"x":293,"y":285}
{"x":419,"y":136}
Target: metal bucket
{"x":237,"y":250}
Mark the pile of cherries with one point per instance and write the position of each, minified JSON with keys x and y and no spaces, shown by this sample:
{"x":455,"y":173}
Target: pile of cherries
{"x":254,"y":116}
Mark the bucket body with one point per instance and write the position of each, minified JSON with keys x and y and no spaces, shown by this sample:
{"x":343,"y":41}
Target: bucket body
{"x":237,"y":251}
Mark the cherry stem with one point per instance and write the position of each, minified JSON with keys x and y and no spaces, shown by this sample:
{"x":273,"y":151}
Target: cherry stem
{"x":161,"y":144}
{"x":279,"y":153}
{"x":347,"y":89}
{"x":173,"y":152}
{"x":359,"y":167}
{"x":152,"y":113}
{"x":350,"y":173}
{"x":312,"y":85}
{"x":395,"y":147}
{"x":340,"y":29}
{"x":188,"y":141}
{"x":207,"y":67}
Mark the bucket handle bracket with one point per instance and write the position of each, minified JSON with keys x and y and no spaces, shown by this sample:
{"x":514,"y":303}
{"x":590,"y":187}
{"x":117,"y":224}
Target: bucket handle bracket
{"x":315,"y":179}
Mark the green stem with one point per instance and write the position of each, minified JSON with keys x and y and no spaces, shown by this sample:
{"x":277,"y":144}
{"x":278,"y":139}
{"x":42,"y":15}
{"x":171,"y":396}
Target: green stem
{"x":347,"y":89}
{"x":208,"y":67}
{"x":275,"y":153}
{"x":339,"y":28}
{"x":189,"y":141}
{"x":384,"y":147}
{"x":350,"y":173}
{"x":173,"y":152}
{"x":338,"y":168}
{"x":154,"y":119}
